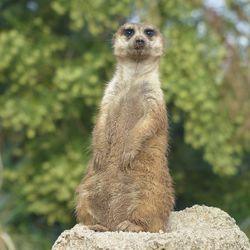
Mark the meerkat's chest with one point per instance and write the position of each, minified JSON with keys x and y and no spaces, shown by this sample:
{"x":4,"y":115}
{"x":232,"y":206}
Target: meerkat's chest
{"x":127,"y":108}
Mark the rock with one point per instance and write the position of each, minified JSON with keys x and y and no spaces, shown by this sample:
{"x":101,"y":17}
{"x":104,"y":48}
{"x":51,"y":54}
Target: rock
{"x":198,"y":227}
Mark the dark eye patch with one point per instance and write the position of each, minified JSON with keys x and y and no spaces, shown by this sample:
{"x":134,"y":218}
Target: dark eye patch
{"x":149,"y":32}
{"x":128,"y":32}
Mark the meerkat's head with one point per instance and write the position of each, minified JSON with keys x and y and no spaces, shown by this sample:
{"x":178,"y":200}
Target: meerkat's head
{"x":137,"y":41}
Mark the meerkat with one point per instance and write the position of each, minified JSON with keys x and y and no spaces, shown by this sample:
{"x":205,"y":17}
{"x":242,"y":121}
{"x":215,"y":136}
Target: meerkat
{"x":128,"y":186}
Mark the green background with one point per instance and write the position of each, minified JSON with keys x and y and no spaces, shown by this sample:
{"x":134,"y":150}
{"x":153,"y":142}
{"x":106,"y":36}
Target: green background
{"x":55,"y":60}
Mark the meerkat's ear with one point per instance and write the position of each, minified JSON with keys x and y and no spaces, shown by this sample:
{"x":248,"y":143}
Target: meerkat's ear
{"x":116,"y":34}
{"x":113,"y":39}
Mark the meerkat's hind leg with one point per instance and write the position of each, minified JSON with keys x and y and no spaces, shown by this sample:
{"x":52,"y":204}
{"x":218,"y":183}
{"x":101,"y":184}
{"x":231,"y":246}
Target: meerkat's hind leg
{"x":98,"y":228}
{"x":129,"y":226}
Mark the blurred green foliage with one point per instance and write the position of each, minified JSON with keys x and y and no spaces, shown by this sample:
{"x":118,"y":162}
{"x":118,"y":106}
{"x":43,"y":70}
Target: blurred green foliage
{"x":55,"y":58}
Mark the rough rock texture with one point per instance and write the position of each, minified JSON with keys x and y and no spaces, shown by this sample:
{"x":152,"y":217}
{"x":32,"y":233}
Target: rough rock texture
{"x":198,"y":227}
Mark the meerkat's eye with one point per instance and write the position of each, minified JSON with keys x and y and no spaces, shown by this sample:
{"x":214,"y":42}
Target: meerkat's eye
{"x":149,"y":32}
{"x":128,"y":32}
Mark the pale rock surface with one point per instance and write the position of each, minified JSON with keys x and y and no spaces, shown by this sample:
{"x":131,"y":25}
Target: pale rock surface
{"x":198,"y":227}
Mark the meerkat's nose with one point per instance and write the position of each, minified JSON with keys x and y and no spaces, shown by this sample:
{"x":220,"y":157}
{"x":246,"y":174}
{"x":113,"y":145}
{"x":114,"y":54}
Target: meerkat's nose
{"x":139,"y":43}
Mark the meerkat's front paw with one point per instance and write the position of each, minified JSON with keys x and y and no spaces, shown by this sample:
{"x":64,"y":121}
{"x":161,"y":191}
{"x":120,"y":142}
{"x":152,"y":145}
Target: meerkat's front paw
{"x":127,"y":159}
{"x":128,"y":226}
{"x":99,"y":159}
{"x":131,"y":149}
{"x":98,"y":228}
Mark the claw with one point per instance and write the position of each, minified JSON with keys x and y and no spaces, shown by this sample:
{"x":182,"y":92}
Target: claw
{"x":128,"y":226}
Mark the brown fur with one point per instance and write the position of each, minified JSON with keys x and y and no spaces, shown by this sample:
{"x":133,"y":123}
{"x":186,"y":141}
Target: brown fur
{"x":128,"y":186}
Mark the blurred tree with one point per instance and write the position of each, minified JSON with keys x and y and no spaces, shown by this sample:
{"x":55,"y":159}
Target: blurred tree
{"x":55,"y":59}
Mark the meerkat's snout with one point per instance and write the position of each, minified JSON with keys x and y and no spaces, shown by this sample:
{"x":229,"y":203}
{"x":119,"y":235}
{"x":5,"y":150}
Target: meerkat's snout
{"x":139,"y":43}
